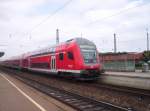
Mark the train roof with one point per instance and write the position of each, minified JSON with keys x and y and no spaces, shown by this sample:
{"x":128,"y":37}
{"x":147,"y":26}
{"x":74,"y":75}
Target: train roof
{"x":80,"y":41}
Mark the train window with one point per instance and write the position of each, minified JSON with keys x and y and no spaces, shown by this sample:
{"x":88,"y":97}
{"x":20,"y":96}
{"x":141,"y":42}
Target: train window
{"x":70,"y":55}
{"x":40,"y":65}
{"x":61,"y":56}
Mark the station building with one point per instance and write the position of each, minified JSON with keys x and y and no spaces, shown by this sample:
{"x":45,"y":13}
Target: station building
{"x":120,"y":61}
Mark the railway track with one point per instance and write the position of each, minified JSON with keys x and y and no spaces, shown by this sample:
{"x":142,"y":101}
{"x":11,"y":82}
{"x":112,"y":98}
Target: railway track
{"x":133,"y":91}
{"x":138,"y":95}
{"x":76,"y":101}
{"x":99,"y":85}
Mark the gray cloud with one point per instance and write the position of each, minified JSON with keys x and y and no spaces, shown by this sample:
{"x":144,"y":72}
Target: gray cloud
{"x":18,"y":17}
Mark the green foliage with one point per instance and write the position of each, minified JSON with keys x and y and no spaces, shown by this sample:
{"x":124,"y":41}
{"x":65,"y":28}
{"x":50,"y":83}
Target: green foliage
{"x":112,"y":53}
{"x":146,"y":56}
{"x":1,"y":54}
{"x":138,"y":65}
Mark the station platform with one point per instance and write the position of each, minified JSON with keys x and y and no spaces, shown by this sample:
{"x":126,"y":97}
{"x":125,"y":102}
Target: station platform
{"x":136,"y":79}
{"x":137,"y":73}
{"x":16,"y":96}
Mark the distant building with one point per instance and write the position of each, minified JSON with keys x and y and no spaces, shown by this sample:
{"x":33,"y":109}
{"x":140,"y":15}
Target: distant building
{"x":120,"y":61}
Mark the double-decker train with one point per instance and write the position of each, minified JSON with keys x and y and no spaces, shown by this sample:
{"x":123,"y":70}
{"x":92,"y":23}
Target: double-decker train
{"x":76,"y":58}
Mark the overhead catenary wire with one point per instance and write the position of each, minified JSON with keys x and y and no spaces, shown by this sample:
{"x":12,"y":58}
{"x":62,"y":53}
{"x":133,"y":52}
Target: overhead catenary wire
{"x":66,"y":4}
{"x":51,"y":15}
{"x":118,"y":13}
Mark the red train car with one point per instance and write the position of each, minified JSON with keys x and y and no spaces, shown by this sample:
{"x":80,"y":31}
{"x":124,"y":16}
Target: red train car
{"x":77,"y":58}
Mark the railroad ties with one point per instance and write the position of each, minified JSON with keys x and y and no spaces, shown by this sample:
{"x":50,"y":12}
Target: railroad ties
{"x":76,"y":101}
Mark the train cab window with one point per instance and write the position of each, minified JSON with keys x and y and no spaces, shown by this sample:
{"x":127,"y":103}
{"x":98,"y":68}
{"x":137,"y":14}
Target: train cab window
{"x":61,"y":56}
{"x":70,"y":55}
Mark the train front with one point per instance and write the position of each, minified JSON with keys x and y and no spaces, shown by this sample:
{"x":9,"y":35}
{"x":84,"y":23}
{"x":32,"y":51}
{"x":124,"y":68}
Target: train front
{"x":90,"y":60}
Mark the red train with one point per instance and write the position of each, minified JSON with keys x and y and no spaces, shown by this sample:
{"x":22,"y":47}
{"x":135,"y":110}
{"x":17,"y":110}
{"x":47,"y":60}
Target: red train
{"x":77,"y":58}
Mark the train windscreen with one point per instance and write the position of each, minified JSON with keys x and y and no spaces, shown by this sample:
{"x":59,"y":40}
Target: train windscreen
{"x":89,"y":55}
{"x":88,"y":50}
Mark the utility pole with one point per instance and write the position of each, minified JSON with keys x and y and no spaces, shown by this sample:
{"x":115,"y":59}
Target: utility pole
{"x":115,"y":45}
{"x":30,"y":36}
{"x":10,"y":35}
{"x":81,"y":35}
{"x":57,"y":36}
{"x":147,"y":39}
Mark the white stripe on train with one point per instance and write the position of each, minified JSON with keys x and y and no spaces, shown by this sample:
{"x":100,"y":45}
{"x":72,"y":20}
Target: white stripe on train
{"x":53,"y":70}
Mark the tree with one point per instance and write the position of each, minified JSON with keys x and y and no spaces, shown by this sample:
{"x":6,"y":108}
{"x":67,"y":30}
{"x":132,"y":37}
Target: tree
{"x":1,"y":54}
{"x":146,"y":56}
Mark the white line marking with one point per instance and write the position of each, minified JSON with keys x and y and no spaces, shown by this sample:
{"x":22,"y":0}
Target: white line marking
{"x":23,"y":93}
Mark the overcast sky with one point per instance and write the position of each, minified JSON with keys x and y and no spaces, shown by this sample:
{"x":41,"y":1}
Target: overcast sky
{"x":26,"y":25}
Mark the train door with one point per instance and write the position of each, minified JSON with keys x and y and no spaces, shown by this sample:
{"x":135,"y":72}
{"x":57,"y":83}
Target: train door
{"x":53,"y":63}
{"x":28,"y":62}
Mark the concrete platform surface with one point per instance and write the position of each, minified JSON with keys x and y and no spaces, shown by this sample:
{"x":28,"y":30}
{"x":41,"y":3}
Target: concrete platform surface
{"x":130,"y":74}
{"x":16,"y":96}
{"x":129,"y":79}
